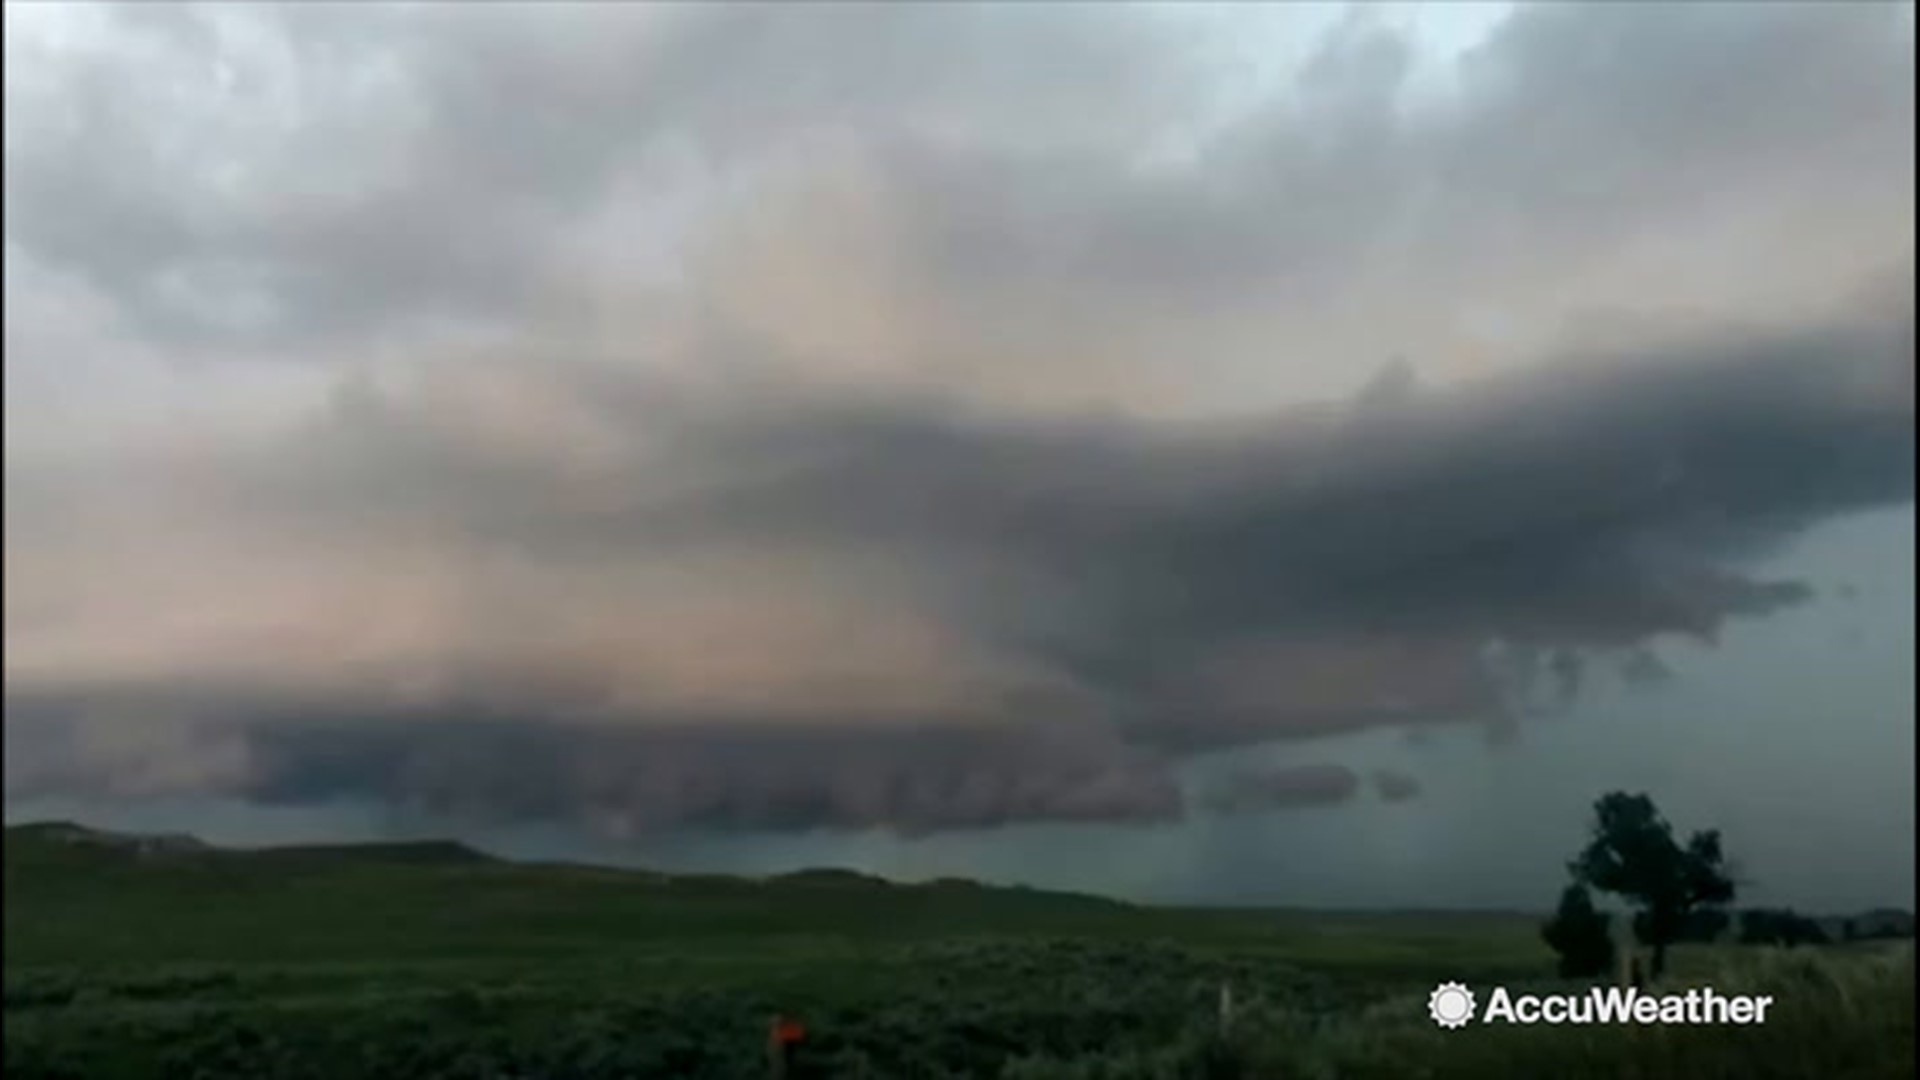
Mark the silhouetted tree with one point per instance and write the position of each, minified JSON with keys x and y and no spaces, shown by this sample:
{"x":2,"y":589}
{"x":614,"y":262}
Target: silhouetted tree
{"x":1578,"y":932}
{"x":1634,"y":856}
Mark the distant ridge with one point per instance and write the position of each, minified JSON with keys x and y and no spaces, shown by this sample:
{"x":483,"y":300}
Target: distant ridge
{"x":75,"y":834}
{"x":35,"y":848}
{"x":385,"y":852}
{"x":23,"y":839}
{"x":829,"y":875}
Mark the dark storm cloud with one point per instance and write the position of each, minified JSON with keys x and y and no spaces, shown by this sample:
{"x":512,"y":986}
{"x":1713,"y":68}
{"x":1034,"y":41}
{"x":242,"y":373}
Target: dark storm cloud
{"x":444,"y":157}
{"x":748,"y":417}
{"x":1395,"y":786}
{"x":479,"y":763}
{"x":1203,"y":590}
{"x":1578,"y":127}
{"x":471,"y":140}
{"x":1301,"y":785}
{"x":1590,"y":510}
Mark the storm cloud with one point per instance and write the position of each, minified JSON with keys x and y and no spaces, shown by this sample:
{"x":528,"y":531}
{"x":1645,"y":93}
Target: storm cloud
{"x":934,"y":418}
{"x":1303,"y":785}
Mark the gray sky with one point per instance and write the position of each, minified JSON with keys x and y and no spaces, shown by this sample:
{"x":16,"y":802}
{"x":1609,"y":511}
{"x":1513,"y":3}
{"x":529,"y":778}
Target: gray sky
{"x":1289,"y":453}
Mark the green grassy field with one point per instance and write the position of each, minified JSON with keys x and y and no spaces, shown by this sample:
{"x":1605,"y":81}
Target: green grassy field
{"x":429,"y":961}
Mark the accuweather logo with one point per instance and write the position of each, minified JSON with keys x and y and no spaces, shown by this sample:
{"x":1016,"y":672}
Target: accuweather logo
{"x":1452,"y":1005}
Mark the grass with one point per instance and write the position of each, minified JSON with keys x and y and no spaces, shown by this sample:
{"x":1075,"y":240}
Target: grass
{"x":430,"y":961}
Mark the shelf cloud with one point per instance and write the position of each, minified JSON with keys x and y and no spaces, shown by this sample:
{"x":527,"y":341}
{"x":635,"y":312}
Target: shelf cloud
{"x":923,"y":419}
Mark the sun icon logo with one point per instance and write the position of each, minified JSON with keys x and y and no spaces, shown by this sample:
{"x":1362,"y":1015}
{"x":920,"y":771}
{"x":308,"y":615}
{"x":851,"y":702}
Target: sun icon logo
{"x":1450,"y":1005}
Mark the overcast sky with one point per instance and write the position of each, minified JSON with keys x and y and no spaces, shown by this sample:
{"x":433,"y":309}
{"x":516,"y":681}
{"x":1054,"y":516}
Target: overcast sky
{"x":1298,"y":453}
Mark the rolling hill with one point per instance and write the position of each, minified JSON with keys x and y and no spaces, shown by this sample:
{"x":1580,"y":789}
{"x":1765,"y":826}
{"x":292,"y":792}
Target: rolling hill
{"x":128,"y":957}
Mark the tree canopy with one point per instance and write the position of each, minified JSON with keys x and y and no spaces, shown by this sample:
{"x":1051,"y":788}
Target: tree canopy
{"x":1579,"y":933}
{"x":1633,"y":854}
